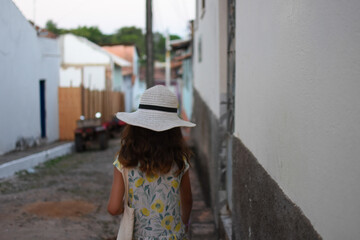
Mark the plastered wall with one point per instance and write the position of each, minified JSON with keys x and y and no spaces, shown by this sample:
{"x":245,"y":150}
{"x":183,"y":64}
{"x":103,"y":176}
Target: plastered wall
{"x":206,"y":55}
{"x":24,"y":60}
{"x":78,"y":50}
{"x":297,"y":104}
{"x":49,"y":71}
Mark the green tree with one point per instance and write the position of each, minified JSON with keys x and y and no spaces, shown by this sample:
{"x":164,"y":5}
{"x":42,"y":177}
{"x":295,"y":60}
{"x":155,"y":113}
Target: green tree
{"x":130,"y":35}
{"x":92,"y":33}
{"x":52,"y":27}
{"x":159,"y":47}
{"x":124,"y":35}
{"x":174,"y":37}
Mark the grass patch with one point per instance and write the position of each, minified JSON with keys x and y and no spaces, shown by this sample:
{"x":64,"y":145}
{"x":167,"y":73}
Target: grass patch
{"x":52,"y":163}
{"x":5,"y":187}
{"x":26,"y":180}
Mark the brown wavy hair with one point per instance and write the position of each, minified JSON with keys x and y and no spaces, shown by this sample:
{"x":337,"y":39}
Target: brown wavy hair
{"x":155,"y":151}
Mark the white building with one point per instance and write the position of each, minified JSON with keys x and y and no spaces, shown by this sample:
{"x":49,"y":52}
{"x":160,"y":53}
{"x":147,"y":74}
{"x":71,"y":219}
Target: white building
{"x":296,"y":136}
{"x":89,"y":77}
{"x":29,"y":76}
{"x":83,"y":60}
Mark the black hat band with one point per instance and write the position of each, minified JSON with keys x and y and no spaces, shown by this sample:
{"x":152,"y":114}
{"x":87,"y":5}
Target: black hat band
{"x":158,"y":108}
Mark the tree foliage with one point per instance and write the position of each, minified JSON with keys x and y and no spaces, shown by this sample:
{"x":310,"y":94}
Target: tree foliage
{"x":124,"y":35}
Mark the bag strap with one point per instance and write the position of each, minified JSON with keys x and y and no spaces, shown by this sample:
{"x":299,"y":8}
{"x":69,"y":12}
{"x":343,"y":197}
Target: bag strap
{"x":125,"y":177}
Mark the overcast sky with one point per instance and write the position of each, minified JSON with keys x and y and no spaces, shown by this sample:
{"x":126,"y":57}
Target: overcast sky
{"x":110,"y":15}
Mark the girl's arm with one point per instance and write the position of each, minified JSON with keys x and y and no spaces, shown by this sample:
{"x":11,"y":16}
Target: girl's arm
{"x":116,"y":202}
{"x":186,"y":198}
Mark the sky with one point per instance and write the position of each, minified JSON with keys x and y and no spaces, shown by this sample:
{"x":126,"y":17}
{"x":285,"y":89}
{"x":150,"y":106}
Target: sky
{"x":110,"y":15}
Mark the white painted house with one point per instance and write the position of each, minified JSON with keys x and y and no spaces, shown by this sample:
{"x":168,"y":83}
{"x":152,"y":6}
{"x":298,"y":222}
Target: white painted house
{"x":295,"y":135}
{"x":29,"y":76}
{"x":83,"y":60}
{"x":89,"y":77}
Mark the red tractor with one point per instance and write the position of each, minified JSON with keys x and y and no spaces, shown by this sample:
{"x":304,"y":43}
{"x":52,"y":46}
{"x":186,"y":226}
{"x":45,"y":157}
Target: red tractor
{"x":88,"y":132}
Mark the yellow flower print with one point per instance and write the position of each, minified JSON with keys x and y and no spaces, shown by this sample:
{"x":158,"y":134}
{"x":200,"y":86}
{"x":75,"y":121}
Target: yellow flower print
{"x":145,"y":212}
{"x":131,"y":193}
{"x":177,"y":227}
{"x":173,"y":237}
{"x":166,"y":222}
{"x":158,"y":206}
{"x":175,"y":184}
{"x":152,"y":177}
{"x":139,"y":182}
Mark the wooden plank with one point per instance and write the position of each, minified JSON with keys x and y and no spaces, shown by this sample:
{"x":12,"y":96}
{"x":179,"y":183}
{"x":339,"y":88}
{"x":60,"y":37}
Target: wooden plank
{"x":69,"y":111}
{"x":106,"y":102}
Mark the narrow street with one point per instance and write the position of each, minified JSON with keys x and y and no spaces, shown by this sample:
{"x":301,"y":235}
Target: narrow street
{"x":66,"y":198}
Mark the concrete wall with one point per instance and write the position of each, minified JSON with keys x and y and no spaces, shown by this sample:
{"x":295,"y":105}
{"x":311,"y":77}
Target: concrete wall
{"x":206,"y":56}
{"x":206,"y":143}
{"x":209,"y":82}
{"x":297,"y":106}
{"x":49,"y":71}
{"x":24,"y":60}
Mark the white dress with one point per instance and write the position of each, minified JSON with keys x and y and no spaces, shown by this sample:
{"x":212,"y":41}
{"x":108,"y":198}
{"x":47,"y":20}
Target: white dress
{"x":156,"y":200}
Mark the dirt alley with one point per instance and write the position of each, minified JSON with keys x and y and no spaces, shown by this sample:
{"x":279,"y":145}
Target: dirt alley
{"x":66,"y":198}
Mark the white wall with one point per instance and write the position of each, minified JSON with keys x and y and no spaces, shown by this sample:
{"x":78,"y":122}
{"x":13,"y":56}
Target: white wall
{"x":21,"y":67}
{"x":206,"y":72}
{"x":70,"y":77}
{"x":49,"y":71}
{"x":94,"y":77}
{"x":297,"y":104}
{"x":78,"y":50}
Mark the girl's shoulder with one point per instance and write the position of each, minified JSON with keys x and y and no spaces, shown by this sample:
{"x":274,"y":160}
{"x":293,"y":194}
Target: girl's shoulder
{"x":174,"y":168}
{"x":118,"y":165}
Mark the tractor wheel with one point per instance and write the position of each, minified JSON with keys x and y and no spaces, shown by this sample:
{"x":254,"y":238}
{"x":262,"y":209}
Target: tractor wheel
{"x":103,"y":140}
{"x":79,"y":143}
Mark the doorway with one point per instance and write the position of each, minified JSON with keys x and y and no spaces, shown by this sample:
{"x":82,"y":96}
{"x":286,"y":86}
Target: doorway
{"x":42,"y":108}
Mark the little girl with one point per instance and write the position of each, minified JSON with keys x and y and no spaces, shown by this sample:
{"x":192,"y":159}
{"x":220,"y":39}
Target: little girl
{"x":157,"y":159}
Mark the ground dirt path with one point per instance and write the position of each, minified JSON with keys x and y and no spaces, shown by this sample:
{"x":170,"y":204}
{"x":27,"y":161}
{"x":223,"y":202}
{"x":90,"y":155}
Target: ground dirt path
{"x":66,"y":198}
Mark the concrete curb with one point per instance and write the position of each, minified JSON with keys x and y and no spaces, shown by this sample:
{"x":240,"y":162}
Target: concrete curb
{"x":8,"y":169}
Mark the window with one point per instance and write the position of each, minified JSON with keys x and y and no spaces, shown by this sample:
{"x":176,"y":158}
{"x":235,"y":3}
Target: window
{"x":203,"y":3}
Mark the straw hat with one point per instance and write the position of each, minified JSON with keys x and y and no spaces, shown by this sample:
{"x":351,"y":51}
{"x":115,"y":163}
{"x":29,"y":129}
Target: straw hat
{"x":157,"y":111}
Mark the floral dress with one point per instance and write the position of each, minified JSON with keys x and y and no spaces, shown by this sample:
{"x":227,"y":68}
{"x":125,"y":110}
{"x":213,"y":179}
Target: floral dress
{"x":156,"y":200}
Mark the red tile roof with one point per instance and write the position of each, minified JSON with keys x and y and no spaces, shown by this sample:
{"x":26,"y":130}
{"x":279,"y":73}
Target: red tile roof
{"x":124,"y":51}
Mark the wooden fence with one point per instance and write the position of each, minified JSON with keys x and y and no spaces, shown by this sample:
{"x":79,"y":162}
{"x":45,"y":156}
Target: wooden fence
{"x":74,"y":102}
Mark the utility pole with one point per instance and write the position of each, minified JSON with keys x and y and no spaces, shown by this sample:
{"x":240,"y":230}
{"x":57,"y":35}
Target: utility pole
{"x":149,"y":46}
{"x":167,"y":58}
